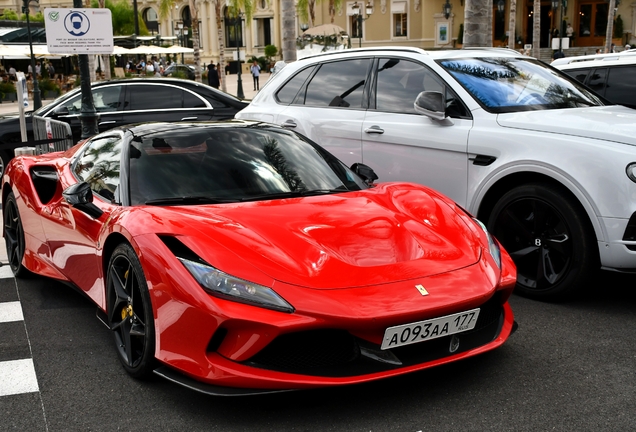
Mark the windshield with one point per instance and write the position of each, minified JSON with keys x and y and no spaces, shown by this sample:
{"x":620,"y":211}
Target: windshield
{"x":198,"y":165}
{"x":513,"y":84}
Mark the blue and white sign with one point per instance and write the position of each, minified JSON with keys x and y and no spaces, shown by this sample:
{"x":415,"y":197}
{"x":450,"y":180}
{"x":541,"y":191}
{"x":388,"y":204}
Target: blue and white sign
{"x":78,"y":31}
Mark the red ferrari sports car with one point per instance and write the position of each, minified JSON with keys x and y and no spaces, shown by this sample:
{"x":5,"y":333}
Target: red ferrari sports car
{"x":239,"y":257}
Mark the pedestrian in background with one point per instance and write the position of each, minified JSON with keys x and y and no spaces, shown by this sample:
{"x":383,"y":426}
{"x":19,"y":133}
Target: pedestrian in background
{"x":213,"y":76}
{"x":256,"y":72}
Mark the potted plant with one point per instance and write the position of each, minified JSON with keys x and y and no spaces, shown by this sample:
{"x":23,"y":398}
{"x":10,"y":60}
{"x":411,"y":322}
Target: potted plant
{"x":618,"y":31}
{"x":49,"y":88}
{"x":460,"y":36}
{"x":7,"y":88}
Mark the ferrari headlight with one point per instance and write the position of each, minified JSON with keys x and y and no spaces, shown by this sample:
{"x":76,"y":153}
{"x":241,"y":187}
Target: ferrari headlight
{"x":493,"y":246}
{"x":223,"y":285}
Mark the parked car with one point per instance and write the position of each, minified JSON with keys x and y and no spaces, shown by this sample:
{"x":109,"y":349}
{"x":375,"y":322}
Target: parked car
{"x":187,"y":70}
{"x":240,"y":254}
{"x":612,"y":76}
{"x":121,"y":102}
{"x":548,"y":165}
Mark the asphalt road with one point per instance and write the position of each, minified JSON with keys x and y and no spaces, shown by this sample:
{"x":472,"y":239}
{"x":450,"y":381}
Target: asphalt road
{"x":569,"y":367}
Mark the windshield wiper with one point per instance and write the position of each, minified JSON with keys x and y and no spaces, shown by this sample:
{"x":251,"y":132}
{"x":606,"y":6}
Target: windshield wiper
{"x":190,"y":200}
{"x":580,"y":100}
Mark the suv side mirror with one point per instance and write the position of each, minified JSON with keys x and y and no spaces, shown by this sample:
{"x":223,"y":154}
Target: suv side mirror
{"x":431,"y":104}
{"x":365,"y":172}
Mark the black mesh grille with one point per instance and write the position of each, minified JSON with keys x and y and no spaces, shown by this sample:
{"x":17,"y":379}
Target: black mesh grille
{"x":307,"y":351}
{"x":337,"y":353}
{"x":630,"y":230}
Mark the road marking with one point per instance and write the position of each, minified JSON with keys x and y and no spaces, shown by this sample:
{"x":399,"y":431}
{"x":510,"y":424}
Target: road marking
{"x":10,"y":311}
{"x":5,"y":272}
{"x":17,"y":376}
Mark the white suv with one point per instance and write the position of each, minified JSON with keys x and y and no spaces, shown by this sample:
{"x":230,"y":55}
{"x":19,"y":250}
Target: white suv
{"x":547,"y":164}
{"x":612,"y":76}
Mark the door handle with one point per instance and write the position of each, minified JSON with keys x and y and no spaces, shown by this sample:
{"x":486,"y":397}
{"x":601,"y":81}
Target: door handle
{"x":189,"y":118}
{"x":374,"y":130}
{"x":289,"y":124}
{"x":107,"y":122}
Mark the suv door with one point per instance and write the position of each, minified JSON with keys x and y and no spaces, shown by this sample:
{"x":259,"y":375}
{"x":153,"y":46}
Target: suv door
{"x":330,"y":106}
{"x":402,"y":145}
{"x":147,"y":102}
{"x":108,"y":101}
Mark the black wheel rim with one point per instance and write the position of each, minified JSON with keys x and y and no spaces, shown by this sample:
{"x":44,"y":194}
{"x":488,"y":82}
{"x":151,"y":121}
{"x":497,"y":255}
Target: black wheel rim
{"x":539,"y":241}
{"x":14,"y":236}
{"x":126,"y":311}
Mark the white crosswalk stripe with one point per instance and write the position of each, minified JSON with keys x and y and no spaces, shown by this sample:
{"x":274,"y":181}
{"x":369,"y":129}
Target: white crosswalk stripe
{"x":17,"y":376}
{"x":10,"y":311}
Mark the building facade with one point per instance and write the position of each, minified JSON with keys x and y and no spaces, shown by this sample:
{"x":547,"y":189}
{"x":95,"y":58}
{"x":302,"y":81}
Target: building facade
{"x":428,"y":24}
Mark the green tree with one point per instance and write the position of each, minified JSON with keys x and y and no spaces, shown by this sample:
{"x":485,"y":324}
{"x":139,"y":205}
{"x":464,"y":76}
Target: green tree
{"x":234,"y":7}
{"x":123,"y":17}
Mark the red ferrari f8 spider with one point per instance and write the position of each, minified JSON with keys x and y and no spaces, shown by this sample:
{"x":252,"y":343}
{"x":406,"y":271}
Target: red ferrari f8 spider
{"x":239,"y":258}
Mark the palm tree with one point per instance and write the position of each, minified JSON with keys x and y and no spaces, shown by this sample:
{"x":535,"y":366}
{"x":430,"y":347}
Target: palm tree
{"x":333,"y":6}
{"x":234,"y":5}
{"x":288,"y":12}
{"x":512,"y":24}
{"x":307,"y":11}
{"x":476,"y":18}
{"x":610,"y":24}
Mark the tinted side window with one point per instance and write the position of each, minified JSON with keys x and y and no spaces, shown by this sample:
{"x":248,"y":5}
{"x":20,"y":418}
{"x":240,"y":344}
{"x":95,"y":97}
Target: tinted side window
{"x":105,"y":99}
{"x":621,"y":86}
{"x":288,"y":92}
{"x":338,"y":84}
{"x":596,"y":80}
{"x":99,"y":166}
{"x":578,"y":75}
{"x":152,"y":97}
{"x":192,"y":101}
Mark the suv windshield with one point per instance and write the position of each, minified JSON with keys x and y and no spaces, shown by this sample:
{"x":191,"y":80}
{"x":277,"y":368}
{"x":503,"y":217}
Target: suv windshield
{"x":218,"y":165}
{"x":513,"y":84}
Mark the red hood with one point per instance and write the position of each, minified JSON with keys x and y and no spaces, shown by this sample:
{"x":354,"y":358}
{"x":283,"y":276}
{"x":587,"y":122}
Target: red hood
{"x":386,"y":234}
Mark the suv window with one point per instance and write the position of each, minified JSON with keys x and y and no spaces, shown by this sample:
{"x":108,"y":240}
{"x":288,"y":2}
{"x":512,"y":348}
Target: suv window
{"x":288,"y":92}
{"x":152,"y":97}
{"x":338,"y":84}
{"x":99,"y":165}
{"x":580,"y":75}
{"x":399,"y":82}
{"x":105,"y":99}
{"x":596,"y":80}
{"x":621,"y":85}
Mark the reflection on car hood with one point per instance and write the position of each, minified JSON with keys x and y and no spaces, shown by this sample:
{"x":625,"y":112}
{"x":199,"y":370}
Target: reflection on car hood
{"x":611,"y":123}
{"x":389,"y":233}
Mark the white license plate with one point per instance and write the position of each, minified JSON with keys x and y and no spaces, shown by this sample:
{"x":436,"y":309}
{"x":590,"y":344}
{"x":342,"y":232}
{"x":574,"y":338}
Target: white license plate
{"x":421,"y":331}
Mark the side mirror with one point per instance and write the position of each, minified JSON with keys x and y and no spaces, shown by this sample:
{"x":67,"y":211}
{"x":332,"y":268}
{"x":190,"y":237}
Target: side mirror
{"x":431,"y":104}
{"x":80,"y":196}
{"x":60,"y":110}
{"x":365,"y":172}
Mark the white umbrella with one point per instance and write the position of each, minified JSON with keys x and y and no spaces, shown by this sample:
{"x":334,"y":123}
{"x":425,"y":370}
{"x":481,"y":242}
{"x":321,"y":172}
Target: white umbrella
{"x":174,"y":49}
{"x":10,"y":52}
{"x":325,"y":29}
{"x":147,"y":49}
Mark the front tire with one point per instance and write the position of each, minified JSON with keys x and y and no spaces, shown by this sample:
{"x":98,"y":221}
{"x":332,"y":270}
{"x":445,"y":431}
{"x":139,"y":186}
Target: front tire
{"x":130,"y":314}
{"x":546,"y":233}
{"x":14,"y":237}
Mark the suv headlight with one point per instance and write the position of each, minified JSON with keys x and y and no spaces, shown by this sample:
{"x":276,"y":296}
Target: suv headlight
{"x":493,"y":246}
{"x":225,"y":286}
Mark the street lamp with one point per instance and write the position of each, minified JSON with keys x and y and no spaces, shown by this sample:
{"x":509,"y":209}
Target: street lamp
{"x":239,"y":82}
{"x":446,"y":9}
{"x":357,"y":13}
{"x":180,"y":35}
{"x":501,"y":6}
{"x":185,"y":43}
{"x":304,"y":27}
{"x":37,"y":101}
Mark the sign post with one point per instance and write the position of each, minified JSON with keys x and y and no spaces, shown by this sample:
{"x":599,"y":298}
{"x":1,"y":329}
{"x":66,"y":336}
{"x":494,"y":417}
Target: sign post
{"x":23,"y":102}
{"x":83,"y":32}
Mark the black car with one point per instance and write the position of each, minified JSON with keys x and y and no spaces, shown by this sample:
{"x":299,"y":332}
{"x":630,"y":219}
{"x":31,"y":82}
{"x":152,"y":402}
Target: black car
{"x":121,"y":102}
